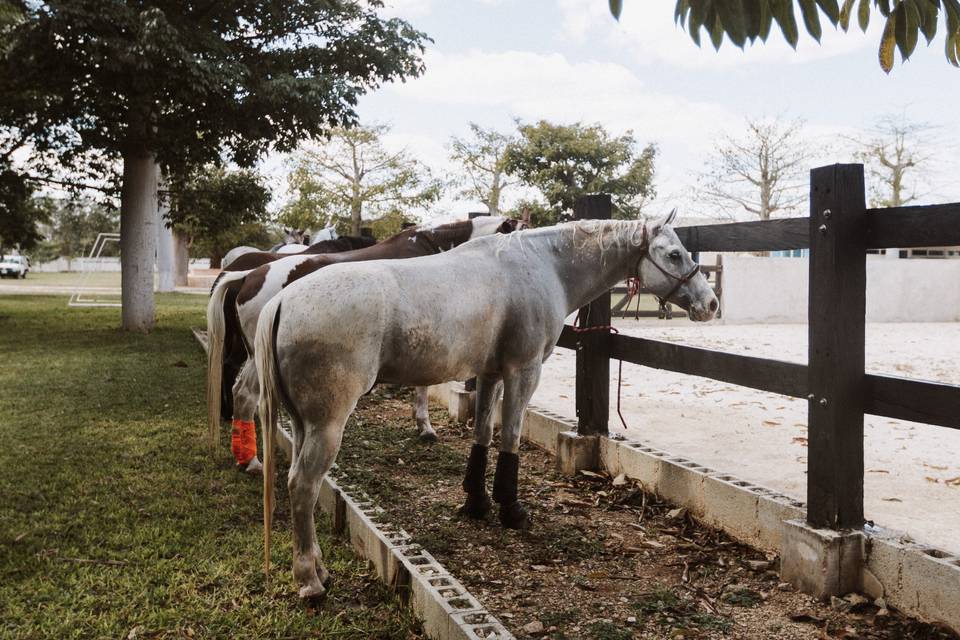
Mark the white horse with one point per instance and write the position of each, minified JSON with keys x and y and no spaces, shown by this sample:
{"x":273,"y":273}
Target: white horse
{"x":493,"y":308}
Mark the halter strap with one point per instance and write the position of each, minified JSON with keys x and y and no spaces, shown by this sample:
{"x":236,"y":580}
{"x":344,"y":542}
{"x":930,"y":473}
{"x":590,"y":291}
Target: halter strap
{"x":680,"y":280}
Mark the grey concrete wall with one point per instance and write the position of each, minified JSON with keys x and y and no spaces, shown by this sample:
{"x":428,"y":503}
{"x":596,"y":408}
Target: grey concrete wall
{"x":774,"y":290}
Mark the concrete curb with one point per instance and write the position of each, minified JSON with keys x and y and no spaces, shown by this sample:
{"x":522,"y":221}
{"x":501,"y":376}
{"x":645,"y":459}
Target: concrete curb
{"x":920,"y":580}
{"x":442,"y":604}
{"x":447,"y":610}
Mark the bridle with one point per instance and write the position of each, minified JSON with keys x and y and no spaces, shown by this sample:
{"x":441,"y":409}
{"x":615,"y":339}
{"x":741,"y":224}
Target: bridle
{"x":679,"y":280}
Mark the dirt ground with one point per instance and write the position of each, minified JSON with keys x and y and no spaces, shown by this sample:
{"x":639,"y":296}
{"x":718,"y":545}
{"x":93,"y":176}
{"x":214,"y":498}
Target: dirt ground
{"x":912,"y":469}
{"x":603,"y":560}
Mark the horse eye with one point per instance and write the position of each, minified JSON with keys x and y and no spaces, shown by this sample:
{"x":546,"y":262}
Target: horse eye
{"x":674,"y":255}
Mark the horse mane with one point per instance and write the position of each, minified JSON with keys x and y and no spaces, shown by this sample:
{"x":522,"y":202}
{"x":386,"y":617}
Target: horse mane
{"x":580,"y":235}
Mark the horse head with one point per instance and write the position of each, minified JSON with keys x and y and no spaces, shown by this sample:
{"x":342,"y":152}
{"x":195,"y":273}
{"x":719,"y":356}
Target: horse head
{"x":327,"y":233}
{"x":667,"y":270}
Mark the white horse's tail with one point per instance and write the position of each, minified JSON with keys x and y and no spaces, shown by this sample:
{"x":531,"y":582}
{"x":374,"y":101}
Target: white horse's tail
{"x":216,"y":337}
{"x":266,"y":360}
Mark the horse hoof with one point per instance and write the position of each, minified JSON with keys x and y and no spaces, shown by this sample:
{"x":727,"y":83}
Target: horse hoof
{"x":254,"y":467}
{"x":428,"y":437}
{"x":476,"y":508}
{"x":312,"y":592}
{"x":514,"y":516}
{"x":326,"y":579}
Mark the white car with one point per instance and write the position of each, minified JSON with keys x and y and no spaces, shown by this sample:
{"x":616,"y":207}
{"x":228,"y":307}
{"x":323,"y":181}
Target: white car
{"x":14,"y":266}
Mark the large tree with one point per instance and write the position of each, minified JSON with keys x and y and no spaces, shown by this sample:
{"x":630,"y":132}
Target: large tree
{"x":141,"y":82}
{"x":896,"y":152}
{"x":482,"y":157}
{"x":353,"y":176}
{"x":745,"y":21}
{"x":216,"y":210}
{"x":760,"y":172}
{"x":565,"y":162}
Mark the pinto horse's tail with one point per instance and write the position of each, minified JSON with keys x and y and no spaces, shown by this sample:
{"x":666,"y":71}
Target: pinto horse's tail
{"x":266,"y":359}
{"x":223,"y":292}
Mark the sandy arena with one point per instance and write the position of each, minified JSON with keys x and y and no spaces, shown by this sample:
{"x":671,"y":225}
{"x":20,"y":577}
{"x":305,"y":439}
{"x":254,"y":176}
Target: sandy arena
{"x":912,"y":480}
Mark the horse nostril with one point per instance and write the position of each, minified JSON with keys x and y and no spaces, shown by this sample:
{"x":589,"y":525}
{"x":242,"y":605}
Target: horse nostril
{"x":714,"y":305}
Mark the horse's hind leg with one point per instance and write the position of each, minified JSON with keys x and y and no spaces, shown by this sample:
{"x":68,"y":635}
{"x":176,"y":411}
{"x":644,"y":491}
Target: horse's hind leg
{"x":314,"y":457}
{"x":474,"y":481}
{"x":421,"y":411}
{"x":518,"y":387}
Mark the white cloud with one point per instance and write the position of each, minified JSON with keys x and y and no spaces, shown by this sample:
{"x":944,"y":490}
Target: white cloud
{"x":531,"y":86}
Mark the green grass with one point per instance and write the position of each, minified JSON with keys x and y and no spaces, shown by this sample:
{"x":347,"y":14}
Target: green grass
{"x":115,"y":518}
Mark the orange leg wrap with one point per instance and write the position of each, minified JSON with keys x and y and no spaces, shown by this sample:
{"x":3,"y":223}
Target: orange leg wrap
{"x":243,"y":441}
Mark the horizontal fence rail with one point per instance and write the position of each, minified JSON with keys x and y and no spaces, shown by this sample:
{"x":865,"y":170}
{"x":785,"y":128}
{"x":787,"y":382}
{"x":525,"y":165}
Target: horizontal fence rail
{"x":935,"y":225}
{"x":768,"y":235}
{"x":838,"y":234}
{"x":911,"y":227}
{"x":924,"y":401}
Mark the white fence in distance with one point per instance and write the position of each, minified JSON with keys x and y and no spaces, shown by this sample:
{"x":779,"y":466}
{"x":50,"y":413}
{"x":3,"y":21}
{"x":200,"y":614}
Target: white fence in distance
{"x":96,"y":264}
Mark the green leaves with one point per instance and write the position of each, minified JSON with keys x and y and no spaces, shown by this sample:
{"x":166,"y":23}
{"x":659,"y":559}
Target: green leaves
{"x":564,"y":162}
{"x":194,"y":82}
{"x":811,"y":19}
{"x":887,"y":42}
{"x":748,"y":20}
{"x":616,"y":6}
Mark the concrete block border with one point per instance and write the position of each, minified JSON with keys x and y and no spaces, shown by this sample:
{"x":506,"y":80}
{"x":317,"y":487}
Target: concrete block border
{"x":920,"y":580}
{"x":443,"y":605}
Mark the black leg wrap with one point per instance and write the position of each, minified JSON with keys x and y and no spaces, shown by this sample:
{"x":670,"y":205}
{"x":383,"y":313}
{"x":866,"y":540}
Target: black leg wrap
{"x":512,"y":513}
{"x":475,"y":484}
{"x":505,"y":478}
{"x":475,"y":481}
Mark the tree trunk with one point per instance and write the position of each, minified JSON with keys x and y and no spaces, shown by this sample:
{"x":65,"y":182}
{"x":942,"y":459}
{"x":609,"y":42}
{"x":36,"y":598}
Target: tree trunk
{"x":166,"y":280}
{"x":216,"y":259}
{"x":181,"y":259}
{"x":138,"y":240}
{"x":356,"y":219}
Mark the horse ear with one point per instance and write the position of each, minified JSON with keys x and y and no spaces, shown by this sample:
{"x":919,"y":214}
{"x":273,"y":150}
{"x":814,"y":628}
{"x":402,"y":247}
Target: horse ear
{"x":662,"y":222}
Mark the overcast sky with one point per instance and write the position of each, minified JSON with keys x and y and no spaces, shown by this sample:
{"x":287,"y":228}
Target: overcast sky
{"x":568,"y":60}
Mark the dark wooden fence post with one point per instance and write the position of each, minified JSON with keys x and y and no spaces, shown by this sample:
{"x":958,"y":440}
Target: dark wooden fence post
{"x":593,"y":349}
{"x":837,"y":312}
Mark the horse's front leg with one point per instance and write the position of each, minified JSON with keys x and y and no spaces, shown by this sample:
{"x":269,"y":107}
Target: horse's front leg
{"x":518,"y":388}
{"x":474,"y":482}
{"x":421,"y":412}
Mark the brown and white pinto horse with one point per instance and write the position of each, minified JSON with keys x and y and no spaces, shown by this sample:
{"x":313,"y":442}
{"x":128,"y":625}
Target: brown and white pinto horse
{"x":236,"y":302}
{"x":234,"y":351}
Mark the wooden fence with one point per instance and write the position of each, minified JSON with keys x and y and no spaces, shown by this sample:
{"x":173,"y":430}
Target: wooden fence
{"x":838,"y":233}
